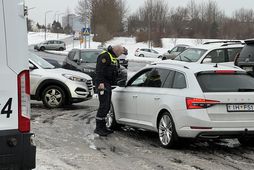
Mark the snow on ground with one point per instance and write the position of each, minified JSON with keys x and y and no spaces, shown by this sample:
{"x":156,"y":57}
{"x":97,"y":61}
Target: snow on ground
{"x":37,"y":37}
{"x":128,"y":42}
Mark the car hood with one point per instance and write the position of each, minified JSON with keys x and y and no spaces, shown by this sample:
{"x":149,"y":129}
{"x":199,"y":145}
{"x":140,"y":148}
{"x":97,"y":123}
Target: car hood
{"x":60,"y":71}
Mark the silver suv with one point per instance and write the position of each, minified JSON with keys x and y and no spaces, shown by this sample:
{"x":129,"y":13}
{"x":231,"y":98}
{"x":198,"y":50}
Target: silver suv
{"x":56,"y":86}
{"x":51,"y":45}
{"x":212,"y":52}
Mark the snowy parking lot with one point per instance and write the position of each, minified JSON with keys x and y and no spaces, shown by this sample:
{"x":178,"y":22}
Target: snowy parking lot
{"x":65,"y":140}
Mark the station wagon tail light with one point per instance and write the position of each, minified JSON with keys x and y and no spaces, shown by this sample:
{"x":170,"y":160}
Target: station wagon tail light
{"x":24,"y":101}
{"x":197,"y":103}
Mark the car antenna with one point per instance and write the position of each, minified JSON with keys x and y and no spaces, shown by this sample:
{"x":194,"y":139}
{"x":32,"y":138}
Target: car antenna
{"x":216,"y":65}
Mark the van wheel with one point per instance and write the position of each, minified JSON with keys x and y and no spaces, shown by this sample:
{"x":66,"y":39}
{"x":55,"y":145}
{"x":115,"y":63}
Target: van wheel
{"x":166,"y":129}
{"x":141,"y":55}
{"x":42,"y":49}
{"x":164,"y":58}
{"x":111,"y":120}
{"x":53,"y":97}
{"x":61,"y":49}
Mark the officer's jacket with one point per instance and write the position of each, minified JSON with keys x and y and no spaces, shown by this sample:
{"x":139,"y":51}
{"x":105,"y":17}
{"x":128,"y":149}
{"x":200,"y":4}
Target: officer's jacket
{"x":107,"y":68}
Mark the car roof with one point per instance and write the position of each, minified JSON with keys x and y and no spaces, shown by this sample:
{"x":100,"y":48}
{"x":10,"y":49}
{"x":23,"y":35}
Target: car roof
{"x":217,"y":46}
{"x":88,"y":49}
{"x":195,"y":67}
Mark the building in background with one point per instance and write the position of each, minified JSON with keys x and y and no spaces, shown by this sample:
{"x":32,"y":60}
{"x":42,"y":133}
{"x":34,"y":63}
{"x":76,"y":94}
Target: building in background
{"x":74,"y":21}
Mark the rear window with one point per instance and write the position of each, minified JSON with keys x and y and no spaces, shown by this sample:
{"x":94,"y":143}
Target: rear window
{"x":247,"y":53}
{"x":226,"y":82}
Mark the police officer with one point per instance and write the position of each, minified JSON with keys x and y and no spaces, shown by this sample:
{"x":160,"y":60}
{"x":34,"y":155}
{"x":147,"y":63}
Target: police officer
{"x":106,"y":75}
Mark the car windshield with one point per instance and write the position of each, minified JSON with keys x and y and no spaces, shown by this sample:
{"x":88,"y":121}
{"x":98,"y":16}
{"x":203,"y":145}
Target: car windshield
{"x":226,"y":82}
{"x":90,"y":56}
{"x":40,"y":61}
{"x":191,"y":55}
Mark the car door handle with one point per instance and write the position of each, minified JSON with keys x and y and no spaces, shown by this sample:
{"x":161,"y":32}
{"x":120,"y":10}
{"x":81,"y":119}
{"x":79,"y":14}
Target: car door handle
{"x":156,"y":98}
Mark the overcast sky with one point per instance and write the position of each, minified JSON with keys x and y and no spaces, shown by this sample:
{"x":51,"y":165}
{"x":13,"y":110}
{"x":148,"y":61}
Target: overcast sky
{"x":39,"y":7}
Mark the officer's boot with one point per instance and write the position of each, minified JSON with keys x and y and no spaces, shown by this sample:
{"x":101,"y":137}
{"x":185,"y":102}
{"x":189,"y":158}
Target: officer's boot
{"x":109,"y":131}
{"x":101,"y":128}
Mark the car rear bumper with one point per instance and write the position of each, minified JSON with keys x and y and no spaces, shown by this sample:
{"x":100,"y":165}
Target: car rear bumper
{"x":199,"y":124}
{"x":16,"y":150}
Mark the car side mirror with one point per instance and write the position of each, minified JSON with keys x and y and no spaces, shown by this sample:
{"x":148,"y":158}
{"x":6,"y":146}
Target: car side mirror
{"x":207,"y":60}
{"x":121,"y":83}
{"x":31,"y":66}
{"x":169,"y":51}
{"x":79,"y":61}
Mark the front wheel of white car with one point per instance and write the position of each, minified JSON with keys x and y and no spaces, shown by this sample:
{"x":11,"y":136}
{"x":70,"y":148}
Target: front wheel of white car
{"x":166,"y":129}
{"x":111,"y":120}
{"x":53,"y":97}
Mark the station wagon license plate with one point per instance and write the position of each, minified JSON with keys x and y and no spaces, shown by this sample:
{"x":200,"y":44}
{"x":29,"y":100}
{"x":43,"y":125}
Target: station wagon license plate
{"x":240,"y":107}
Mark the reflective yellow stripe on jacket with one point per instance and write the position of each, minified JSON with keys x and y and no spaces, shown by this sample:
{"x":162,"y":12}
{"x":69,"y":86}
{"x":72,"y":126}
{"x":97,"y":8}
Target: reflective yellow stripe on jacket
{"x":113,"y":59}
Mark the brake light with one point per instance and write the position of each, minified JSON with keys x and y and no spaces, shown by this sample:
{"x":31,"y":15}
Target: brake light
{"x":24,"y":101}
{"x":225,"y":71}
{"x":197,"y":103}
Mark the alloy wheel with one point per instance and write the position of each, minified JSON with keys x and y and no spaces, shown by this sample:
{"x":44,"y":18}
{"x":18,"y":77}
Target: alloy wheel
{"x":165,"y":130}
{"x":53,"y":97}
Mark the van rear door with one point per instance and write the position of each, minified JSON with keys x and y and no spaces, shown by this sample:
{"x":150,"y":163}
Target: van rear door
{"x":8,"y":83}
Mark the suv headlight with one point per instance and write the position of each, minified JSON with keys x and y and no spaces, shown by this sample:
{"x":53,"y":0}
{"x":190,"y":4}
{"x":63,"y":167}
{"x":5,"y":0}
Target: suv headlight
{"x":74,"y":78}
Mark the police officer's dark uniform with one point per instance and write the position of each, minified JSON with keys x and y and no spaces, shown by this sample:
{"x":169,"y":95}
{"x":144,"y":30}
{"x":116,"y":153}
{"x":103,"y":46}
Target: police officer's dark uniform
{"x":106,"y":73}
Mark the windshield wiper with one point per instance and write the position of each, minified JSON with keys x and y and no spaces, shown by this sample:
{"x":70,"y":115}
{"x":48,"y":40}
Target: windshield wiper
{"x":245,"y":90}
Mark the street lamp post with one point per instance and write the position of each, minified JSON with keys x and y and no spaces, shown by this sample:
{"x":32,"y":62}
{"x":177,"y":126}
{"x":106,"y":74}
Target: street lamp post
{"x":46,"y":22}
{"x":57,"y":17}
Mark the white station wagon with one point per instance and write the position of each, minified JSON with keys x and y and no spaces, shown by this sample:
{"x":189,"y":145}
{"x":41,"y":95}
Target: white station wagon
{"x":186,"y":100}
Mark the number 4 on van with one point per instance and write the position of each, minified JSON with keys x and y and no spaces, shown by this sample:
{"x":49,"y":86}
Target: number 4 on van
{"x":7,"y":108}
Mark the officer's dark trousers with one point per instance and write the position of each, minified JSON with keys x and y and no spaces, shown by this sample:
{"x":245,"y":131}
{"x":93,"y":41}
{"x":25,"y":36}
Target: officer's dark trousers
{"x":104,"y":107}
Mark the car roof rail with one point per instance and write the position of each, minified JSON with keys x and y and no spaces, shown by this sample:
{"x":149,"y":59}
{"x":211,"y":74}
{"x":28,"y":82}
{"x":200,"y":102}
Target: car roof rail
{"x":166,"y":63}
{"x":249,"y":41}
{"x":232,"y":43}
{"x":222,"y":41}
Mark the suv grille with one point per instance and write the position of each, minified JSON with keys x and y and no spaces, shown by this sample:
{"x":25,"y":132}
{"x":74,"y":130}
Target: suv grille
{"x":89,"y":84}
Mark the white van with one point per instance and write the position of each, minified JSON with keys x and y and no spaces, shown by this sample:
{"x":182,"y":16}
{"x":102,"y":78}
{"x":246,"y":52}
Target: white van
{"x":16,"y":146}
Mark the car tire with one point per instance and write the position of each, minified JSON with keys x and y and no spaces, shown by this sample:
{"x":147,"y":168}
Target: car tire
{"x":164,"y":58}
{"x":61,"y":49}
{"x":166,"y":131}
{"x":111,"y":120}
{"x":246,"y":141}
{"x":42,"y":49}
{"x":53,"y":97}
{"x":141,"y":55}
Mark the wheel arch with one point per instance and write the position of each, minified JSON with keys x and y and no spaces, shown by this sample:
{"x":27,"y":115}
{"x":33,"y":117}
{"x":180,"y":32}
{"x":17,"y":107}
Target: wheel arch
{"x":159,"y":116}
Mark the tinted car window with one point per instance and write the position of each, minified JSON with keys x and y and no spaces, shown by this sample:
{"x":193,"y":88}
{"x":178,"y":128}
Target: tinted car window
{"x":181,"y":49}
{"x":179,"y":81}
{"x":139,"y":80}
{"x":232,"y":52}
{"x":190,"y":55}
{"x":90,"y":56}
{"x":217,"y":56}
{"x":225,"y":82}
{"x":71,"y":55}
{"x":247,"y":54}
{"x":170,"y":79}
